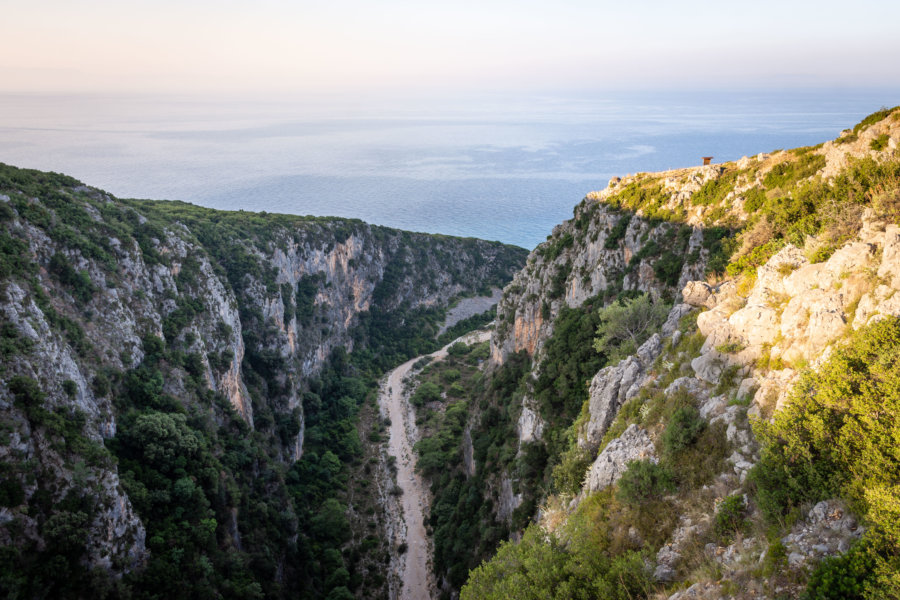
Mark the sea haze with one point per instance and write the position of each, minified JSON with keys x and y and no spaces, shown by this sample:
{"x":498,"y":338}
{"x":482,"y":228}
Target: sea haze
{"x":504,"y":168}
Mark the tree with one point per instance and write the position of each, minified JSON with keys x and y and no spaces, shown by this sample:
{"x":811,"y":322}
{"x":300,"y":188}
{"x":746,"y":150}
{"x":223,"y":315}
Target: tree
{"x":625,"y":325}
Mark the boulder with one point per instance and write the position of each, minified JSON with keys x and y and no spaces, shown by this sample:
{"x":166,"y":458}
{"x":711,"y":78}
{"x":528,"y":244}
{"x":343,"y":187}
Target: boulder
{"x":770,"y":276}
{"x":756,"y":324}
{"x":709,"y":366}
{"x":633,"y":444}
{"x":670,"y":327}
{"x":697,"y":293}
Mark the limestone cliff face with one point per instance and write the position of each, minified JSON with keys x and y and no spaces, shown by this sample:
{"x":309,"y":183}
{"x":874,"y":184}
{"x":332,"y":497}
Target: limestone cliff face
{"x":83,"y":300}
{"x":755,"y":331}
{"x":599,"y":251}
{"x":756,"y":339}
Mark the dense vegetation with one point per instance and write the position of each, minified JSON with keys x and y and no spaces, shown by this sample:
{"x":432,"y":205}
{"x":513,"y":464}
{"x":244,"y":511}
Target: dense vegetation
{"x":838,"y":437}
{"x":227,"y":512}
{"x":462,"y":519}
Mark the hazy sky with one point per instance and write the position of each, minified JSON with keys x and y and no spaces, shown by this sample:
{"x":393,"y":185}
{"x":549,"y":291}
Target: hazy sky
{"x":493,"y":45}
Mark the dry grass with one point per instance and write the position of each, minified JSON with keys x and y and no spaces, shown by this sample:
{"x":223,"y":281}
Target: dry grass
{"x":760,"y":233}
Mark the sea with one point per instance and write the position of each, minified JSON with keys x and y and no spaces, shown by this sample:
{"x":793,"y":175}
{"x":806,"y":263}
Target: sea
{"x":504,"y":167}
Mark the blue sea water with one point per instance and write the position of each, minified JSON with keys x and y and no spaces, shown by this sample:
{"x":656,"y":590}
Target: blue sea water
{"x":505,"y":168}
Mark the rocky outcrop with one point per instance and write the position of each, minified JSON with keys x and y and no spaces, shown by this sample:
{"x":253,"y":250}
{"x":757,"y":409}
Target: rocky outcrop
{"x":599,"y":250}
{"x":612,"y":386}
{"x":829,"y":529}
{"x":796,"y":310}
{"x":612,"y":462}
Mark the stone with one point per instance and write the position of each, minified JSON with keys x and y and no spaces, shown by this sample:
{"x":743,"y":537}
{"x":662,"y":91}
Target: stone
{"x":714,"y":325}
{"x":747,"y":387}
{"x":890,"y":258}
{"x":670,"y":327}
{"x":756,"y":324}
{"x":713,"y":407}
{"x":697,"y":293}
{"x":611,"y":463}
{"x":807,"y":277}
{"x":795,"y":559}
{"x":770,"y":276}
{"x":530,"y":425}
{"x":664,"y":573}
{"x":612,"y":386}
{"x":709,"y":366}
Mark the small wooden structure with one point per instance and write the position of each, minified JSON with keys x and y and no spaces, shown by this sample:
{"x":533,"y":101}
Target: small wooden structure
{"x":707,"y":160}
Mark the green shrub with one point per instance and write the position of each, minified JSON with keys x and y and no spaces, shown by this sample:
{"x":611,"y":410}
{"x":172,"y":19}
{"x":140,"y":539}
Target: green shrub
{"x":553,"y":248}
{"x":822,"y":253}
{"x":12,"y":344}
{"x":626,"y":324}
{"x":683,"y":429}
{"x":788,"y":172}
{"x":79,"y":282}
{"x":730,"y":517}
{"x":844,"y":577}
{"x":617,"y":233}
{"x":456,"y":390}
{"x":427,"y":392}
{"x":26,"y":391}
{"x":833,"y":440}
{"x":667,"y":267}
{"x":875,"y":117}
{"x":714,"y":191}
{"x":541,"y":566}
{"x":730,"y":348}
{"x":568,"y":475}
{"x":459,"y":349}
{"x":880,"y":143}
{"x":69,"y":388}
{"x":450,"y":375}
{"x":754,"y":198}
{"x":14,"y":256}
{"x":643,"y":481}
{"x":11,"y":492}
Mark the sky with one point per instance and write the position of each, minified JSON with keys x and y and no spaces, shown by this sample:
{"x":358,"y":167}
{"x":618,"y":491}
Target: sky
{"x":347,"y":46}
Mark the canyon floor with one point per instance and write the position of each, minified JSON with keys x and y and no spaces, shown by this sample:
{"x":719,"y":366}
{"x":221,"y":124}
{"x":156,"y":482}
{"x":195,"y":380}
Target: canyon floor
{"x":416,"y":574}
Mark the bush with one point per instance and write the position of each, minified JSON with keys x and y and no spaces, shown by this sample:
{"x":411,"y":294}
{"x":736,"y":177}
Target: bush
{"x":79,"y":282}
{"x":833,"y":439}
{"x":683,"y":429}
{"x":425,"y":393}
{"x":617,"y":233}
{"x":667,"y":268}
{"x":625,"y":325}
{"x":875,"y":117}
{"x":458,"y":349}
{"x":880,"y":143}
{"x":730,"y":517}
{"x":69,"y":388}
{"x":450,"y":375}
{"x":645,"y":480}
{"x":842,"y":577}
{"x":730,"y":348}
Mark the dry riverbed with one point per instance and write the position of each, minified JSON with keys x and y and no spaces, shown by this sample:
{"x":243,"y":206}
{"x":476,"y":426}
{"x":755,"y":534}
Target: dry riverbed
{"x":415,"y":575}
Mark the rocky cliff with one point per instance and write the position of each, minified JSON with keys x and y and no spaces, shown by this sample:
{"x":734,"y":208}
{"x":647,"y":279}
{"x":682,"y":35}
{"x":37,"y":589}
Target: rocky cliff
{"x":117,"y":310}
{"x":683,"y":466}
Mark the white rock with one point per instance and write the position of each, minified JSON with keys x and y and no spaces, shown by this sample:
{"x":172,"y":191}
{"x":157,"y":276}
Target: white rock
{"x":633,"y":444}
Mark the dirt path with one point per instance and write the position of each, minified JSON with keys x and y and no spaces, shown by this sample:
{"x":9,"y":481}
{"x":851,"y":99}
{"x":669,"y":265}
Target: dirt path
{"x":416,"y":573}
